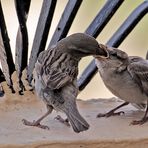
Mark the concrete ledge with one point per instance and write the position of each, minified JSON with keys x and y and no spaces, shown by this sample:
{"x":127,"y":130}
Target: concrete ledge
{"x":104,"y":132}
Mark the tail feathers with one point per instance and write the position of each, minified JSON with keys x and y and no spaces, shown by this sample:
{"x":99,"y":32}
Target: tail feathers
{"x":78,"y":123}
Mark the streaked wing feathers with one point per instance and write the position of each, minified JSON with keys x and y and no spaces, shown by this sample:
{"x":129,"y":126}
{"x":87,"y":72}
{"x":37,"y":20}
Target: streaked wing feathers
{"x":56,"y":70}
{"x":139,"y":72}
{"x":56,"y":79}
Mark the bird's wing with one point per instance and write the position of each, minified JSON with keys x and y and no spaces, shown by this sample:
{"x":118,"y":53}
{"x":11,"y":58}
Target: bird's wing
{"x":56,"y":78}
{"x":138,"y":69}
{"x":57,"y":70}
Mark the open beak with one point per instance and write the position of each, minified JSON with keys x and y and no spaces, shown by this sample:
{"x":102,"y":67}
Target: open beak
{"x":104,"y":54}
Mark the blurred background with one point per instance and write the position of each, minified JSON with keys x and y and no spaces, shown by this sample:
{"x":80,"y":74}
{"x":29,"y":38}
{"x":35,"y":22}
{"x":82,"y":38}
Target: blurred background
{"x":135,"y":44}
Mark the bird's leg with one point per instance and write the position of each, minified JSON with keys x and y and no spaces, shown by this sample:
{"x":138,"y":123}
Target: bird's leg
{"x":112,"y":112}
{"x":64,"y":121}
{"x":37,"y":122}
{"x":143,"y":120}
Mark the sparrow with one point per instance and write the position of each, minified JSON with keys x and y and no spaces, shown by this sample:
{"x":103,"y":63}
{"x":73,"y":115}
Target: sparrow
{"x":56,"y":73}
{"x":126,"y":77}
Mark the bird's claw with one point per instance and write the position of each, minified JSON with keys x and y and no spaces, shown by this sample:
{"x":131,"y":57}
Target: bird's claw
{"x":35,"y":123}
{"x":101,"y":115}
{"x":64,"y":121}
{"x":43,"y":127}
{"x":139,"y":122}
{"x":109,"y":114}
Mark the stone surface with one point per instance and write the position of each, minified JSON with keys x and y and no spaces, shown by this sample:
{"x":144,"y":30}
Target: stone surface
{"x":103,"y":133}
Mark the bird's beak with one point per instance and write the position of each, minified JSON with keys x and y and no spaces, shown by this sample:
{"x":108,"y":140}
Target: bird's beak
{"x":103,"y":53}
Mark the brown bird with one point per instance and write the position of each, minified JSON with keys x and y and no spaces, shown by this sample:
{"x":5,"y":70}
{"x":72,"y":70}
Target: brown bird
{"x":126,"y":77}
{"x":56,"y":73}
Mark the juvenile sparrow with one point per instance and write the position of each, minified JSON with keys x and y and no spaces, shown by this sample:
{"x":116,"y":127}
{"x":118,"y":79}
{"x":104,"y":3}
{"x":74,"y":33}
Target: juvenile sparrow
{"x":56,"y":73}
{"x":126,"y":77}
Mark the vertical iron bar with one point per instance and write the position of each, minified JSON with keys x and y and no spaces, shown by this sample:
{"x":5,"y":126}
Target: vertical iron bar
{"x":2,"y":78}
{"x":41,"y":35}
{"x":103,"y":17}
{"x":65,"y":21}
{"x":5,"y":51}
{"x":22,"y":9}
{"x":115,"y":41}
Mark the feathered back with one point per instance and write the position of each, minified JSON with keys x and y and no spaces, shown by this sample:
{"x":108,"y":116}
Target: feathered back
{"x":56,"y":68}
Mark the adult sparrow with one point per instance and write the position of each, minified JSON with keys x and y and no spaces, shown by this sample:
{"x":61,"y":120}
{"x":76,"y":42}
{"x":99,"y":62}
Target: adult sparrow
{"x":56,"y":73}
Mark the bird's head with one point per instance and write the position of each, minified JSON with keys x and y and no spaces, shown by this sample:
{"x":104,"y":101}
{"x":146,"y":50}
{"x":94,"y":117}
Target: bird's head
{"x":115,"y":59}
{"x":80,"y":45}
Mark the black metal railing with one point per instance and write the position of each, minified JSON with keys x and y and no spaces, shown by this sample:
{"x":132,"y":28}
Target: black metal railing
{"x":48,"y":7}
